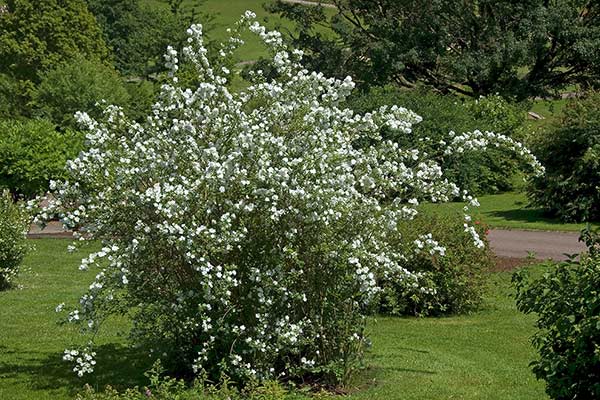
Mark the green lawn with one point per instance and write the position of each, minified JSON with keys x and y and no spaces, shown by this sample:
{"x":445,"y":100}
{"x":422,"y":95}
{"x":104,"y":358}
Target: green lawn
{"x":479,"y":356}
{"x":31,"y":341}
{"x":508,"y":211}
{"x":226,"y":13}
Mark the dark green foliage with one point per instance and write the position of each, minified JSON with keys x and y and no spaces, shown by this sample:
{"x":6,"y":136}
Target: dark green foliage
{"x":14,"y":223}
{"x":570,"y":151}
{"x":77,"y":85}
{"x":13,"y":95}
{"x":566,"y":300}
{"x":457,"y":277}
{"x":139,"y":33}
{"x":471,"y":47}
{"x":33,"y":152}
{"x":142,"y":94}
{"x":489,"y":171}
{"x":38,"y":35}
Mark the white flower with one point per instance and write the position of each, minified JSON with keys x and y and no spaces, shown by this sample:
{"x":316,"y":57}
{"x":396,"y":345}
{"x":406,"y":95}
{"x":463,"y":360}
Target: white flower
{"x":224,"y":214}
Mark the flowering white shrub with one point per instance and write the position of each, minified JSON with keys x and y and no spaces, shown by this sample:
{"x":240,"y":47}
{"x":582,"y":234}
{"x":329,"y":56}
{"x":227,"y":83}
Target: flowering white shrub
{"x":243,"y":231}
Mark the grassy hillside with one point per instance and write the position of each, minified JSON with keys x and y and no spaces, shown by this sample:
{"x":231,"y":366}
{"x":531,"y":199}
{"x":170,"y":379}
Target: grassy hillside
{"x":225,"y":13}
{"x":508,"y":211}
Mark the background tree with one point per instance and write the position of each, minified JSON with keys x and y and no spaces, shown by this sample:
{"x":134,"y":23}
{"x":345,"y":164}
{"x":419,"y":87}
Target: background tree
{"x":139,"y":33}
{"x":36,"y":36}
{"x":474,"y":47}
{"x":77,"y":85}
{"x":570,"y":151}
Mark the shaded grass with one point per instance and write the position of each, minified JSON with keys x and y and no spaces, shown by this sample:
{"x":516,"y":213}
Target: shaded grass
{"x":550,"y":110}
{"x":483,"y":355}
{"x":508,"y":211}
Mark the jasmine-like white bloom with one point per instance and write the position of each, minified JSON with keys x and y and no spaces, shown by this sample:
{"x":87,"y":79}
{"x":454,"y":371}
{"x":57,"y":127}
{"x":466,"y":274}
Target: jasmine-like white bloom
{"x":235,"y":225}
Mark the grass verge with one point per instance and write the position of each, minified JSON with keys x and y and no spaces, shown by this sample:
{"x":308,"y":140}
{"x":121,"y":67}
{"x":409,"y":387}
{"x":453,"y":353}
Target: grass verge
{"x":483,"y":355}
{"x":508,"y":211}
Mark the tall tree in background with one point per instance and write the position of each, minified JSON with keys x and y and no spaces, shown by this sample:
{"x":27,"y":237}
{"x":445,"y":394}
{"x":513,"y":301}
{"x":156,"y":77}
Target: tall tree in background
{"x":475,"y":47}
{"x":139,"y":34}
{"x":36,"y":36}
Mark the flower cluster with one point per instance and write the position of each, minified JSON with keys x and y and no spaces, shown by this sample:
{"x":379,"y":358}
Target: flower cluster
{"x":244,"y":231}
{"x":84,"y":361}
{"x":469,"y":141}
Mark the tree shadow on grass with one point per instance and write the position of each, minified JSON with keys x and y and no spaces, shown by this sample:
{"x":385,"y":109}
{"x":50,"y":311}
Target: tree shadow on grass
{"x":118,"y":366}
{"x":525,"y":215}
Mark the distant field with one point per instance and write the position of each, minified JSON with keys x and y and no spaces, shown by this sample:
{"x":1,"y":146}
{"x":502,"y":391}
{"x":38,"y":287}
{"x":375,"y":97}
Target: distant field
{"x":226,"y":13}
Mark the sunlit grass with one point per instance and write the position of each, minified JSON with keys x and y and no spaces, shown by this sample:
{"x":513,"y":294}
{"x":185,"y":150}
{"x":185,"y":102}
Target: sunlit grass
{"x":225,"y":13}
{"x":480,"y":356}
{"x":509,"y":211}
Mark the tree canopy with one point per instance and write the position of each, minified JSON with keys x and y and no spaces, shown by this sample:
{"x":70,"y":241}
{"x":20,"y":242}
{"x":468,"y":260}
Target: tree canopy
{"x":38,"y":35}
{"x":138,"y":34}
{"x":475,"y":47}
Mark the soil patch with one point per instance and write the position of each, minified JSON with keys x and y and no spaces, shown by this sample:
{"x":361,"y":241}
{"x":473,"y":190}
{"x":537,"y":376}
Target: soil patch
{"x":511,"y":263}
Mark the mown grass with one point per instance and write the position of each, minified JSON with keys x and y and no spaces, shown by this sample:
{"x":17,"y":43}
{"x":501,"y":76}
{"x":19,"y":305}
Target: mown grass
{"x":225,"y":13}
{"x":31,"y":341}
{"x":508,"y":211}
{"x":480,"y":356}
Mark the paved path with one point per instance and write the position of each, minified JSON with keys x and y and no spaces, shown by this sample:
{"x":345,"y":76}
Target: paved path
{"x":541,"y":244}
{"x":504,"y":243}
{"x":53,"y":229}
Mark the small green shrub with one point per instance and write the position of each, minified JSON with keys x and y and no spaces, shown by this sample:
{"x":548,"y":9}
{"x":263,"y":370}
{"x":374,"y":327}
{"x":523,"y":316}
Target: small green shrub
{"x":14,"y":223}
{"x":166,"y":388}
{"x":77,"y":85}
{"x":479,"y":172}
{"x":566,"y":300}
{"x":455,"y":280}
{"x":570,"y":151}
{"x":32,"y":152}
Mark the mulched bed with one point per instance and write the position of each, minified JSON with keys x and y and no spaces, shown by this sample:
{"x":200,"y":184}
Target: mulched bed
{"x":512,"y":263}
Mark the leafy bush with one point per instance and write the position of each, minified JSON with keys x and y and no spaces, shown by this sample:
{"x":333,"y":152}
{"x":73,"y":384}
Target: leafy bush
{"x":77,"y":85}
{"x":570,"y":151}
{"x":488,"y":171}
{"x":14,"y":96}
{"x":142,"y":94}
{"x":32,"y":152}
{"x":14,"y":224}
{"x":447,"y":260}
{"x":566,"y":300}
{"x":166,"y":388}
{"x":243,"y":232}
